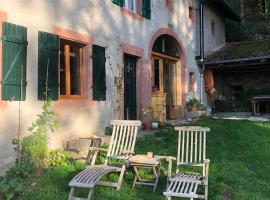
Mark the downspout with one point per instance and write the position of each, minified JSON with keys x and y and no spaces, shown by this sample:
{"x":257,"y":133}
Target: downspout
{"x":201,"y":59}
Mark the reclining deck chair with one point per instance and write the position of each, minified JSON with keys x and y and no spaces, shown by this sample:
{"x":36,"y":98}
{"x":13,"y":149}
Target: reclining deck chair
{"x":191,"y":153}
{"x":122,"y":145}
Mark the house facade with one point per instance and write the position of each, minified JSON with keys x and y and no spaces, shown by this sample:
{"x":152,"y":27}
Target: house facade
{"x":99,"y":60}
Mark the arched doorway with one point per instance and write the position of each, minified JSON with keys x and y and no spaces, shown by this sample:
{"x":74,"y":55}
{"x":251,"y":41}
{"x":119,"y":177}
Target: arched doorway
{"x":167,"y":87}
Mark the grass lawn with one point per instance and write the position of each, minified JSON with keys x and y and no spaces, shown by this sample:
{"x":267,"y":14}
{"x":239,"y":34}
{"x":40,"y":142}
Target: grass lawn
{"x":240,"y":158}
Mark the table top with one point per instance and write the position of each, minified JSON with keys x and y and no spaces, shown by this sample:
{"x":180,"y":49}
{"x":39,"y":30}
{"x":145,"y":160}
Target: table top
{"x":261,"y":97}
{"x":144,"y":160}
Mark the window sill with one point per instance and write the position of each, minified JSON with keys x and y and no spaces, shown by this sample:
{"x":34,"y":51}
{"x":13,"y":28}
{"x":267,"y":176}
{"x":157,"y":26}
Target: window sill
{"x":71,"y":97}
{"x":134,"y":15}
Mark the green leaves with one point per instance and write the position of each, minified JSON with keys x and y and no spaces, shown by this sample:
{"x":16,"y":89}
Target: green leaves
{"x":10,"y":188}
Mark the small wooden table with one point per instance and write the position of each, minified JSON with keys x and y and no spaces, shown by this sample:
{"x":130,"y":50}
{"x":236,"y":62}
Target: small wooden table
{"x":256,"y":102}
{"x":146,"y":162}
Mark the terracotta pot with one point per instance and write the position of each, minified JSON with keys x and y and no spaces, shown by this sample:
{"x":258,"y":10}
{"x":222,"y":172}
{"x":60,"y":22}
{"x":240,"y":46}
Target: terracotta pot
{"x":194,"y":109}
{"x":147,"y":126}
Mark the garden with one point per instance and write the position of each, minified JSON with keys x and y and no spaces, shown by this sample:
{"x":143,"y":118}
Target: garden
{"x":238,"y":150}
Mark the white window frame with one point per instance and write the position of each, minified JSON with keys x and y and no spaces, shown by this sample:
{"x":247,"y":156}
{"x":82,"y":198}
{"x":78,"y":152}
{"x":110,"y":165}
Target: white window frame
{"x":127,"y":6}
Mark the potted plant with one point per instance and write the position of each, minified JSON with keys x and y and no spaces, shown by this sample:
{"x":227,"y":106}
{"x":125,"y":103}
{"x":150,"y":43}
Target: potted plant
{"x":195,"y":108}
{"x":146,"y":117}
{"x":192,"y":104}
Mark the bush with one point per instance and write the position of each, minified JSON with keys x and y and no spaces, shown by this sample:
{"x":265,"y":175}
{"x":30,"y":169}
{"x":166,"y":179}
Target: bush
{"x":34,"y":147}
{"x":10,"y":188}
{"x":59,"y":157}
{"x":20,"y":170}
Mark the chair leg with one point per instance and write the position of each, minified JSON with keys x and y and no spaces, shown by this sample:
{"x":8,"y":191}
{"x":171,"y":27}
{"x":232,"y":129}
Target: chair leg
{"x":71,"y":194}
{"x":134,"y":182}
{"x":90,"y":194}
{"x":169,"y":198}
{"x":121,"y":177}
{"x":206,"y":192}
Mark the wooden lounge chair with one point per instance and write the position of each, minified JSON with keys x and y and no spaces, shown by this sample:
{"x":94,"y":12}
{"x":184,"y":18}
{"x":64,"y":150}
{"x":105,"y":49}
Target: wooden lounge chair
{"x":121,"y":147}
{"x":191,"y":153}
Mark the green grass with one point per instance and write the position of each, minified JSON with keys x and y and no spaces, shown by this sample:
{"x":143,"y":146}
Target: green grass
{"x":239,"y":153}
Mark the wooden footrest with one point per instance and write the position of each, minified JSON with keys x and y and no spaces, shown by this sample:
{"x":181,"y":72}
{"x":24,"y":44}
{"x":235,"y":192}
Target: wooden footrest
{"x":91,"y":175}
{"x":184,"y":185}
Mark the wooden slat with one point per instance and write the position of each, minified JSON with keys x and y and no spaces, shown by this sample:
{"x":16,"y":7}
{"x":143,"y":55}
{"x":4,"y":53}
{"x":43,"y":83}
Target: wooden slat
{"x":204,"y":145}
{"x":196,"y":145}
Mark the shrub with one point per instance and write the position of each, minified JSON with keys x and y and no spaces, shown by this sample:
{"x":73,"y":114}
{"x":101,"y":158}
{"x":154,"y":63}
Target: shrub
{"x":59,"y":157}
{"x":20,"y":170}
{"x":10,"y":188}
{"x":34,"y":147}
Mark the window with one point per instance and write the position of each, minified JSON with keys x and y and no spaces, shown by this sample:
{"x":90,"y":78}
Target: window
{"x":131,"y":5}
{"x":145,"y":6}
{"x":213,"y":28}
{"x":71,"y":58}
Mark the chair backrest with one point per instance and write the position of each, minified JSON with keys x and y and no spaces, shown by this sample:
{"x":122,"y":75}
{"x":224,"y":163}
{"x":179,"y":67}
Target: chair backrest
{"x":124,"y":133}
{"x":191,"y":145}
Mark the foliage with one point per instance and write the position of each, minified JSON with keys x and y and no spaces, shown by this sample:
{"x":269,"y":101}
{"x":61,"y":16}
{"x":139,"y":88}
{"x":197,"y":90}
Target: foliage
{"x":194,"y":103}
{"x":146,"y":113}
{"x":10,"y":188}
{"x":255,"y":21}
{"x":59,"y":157}
{"x":108,"y":130}
{"x":34,"y":147}
{"x":20,"y":170}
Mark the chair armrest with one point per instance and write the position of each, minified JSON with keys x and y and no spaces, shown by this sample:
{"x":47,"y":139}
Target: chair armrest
{"x":90,"y":138}
{"x":97,"y":149}
{"x":127,"y":152}
{"x":119,"y":157}
{"x":74,"y":150}
{"x":206,"y":171}
{"x":206,"y":161}
{"x":170,"y":159}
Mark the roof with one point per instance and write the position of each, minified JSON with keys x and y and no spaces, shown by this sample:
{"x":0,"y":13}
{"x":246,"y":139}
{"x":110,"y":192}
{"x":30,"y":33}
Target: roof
{"x":240,"y":52}
{"x":224,"y":7}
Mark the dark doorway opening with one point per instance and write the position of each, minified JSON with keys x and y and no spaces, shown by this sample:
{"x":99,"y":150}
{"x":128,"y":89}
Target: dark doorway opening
{"x":130,"y":103}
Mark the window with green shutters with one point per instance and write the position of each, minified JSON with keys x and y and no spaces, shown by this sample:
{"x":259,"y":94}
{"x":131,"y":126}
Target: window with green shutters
{"x":118,"y":2}
{"x":132,"y":5}
{"x":48,"y":52}
{"x":99,"y":73}
{"x":14,"y":62}
{"x":146,"y":8}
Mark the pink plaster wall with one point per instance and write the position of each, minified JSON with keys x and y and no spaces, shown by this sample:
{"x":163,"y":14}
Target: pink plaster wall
{"x":3,"y":18}
{"x":169,"y":4}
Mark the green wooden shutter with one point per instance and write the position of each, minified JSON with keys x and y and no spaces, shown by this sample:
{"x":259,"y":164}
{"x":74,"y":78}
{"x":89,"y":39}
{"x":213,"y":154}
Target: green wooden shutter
{"x":99,"y":73}
{"x":118,"y":2}
{"x":14,"y":62}
{"x":48,"y":51}
{"x":146,"y":8}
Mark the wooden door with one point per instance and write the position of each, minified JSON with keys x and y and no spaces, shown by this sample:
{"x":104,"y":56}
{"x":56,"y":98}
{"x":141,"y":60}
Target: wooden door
{"x":130,"y":103}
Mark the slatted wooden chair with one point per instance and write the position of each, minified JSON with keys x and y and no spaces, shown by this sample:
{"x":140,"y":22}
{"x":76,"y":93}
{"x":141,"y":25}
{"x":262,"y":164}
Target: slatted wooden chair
{"x":121,"y":147}
{"x":191,"y":153}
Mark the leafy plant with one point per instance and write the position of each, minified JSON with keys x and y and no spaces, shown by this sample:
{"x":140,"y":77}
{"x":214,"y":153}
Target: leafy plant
{"x":10,"y":188}
{"x":21,"y":170}
{"x":59,"y":157}
{"x":194,"y":103}
{"x":108,"y":130}
{"x":34,"y":147}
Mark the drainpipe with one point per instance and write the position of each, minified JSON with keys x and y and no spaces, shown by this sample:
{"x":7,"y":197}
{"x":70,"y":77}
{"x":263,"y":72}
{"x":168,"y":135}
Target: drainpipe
{"x":201,"y":59}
